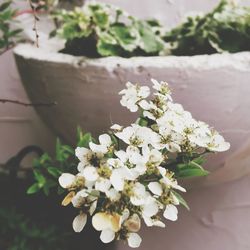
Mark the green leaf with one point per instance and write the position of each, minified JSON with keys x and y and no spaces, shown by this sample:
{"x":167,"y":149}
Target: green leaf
{"x":5,"y":5}
{"x":150,"y":42}
{"x":192,"y":172}
{"x":106,"y":49}
{"x":125,"y":35}
{"x":142,"y":122}
{"x":85,"y":140}
{"x":39,"y":177}
{"x":33,"y":189}
{"x":180,"y":199}
{"x":55,"y":172}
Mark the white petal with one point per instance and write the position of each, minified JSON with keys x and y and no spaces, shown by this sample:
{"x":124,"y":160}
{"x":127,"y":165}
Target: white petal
{"x":113,"y":194}
{"x":116,"y":180}
{"x":80,"y":167}
{"x":101,"y":149}
{"x":171,"y":212}
{"x":101,"y":221}
{"x":155,"y":188}
{"x":66,"y":180}
{"x":105,"y":139}
{"x":116,"y":127}
{"x":102,"y":185}
{"x":79,"y":222}
{"x":90,"y":173}
{"x":81,"y":152}
{"x":150,"y":209}
{"x":134,"y":240}
{"x":107,"y":236}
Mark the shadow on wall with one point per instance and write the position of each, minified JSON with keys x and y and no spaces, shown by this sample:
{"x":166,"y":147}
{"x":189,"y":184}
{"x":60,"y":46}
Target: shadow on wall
{"x":19,"y":125}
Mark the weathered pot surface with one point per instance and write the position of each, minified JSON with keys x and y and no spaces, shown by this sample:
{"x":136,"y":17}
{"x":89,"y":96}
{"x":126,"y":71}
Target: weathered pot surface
{"x":215,"y":88}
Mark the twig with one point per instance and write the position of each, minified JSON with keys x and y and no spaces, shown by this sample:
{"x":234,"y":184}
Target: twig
{"x":36,"y":18}
{"x":26,"y":104}
{"x":7,"y":49}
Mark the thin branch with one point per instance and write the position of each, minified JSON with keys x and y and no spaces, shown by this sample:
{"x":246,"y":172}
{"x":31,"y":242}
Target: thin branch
{"x":36,"y":19}
{"x":26,"y":104}
{"x":7,"y":49}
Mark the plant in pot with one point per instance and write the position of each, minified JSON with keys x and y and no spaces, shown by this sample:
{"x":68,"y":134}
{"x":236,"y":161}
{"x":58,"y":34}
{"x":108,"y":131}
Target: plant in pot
{"x":129,"y":175}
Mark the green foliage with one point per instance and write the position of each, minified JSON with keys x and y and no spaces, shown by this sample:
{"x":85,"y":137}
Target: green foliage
{"x":19,"y":232}
{"x":8,"y":36}
{"x":192,"y":168}
{"x":103,"y":30}
{"x":226,"y":28}
{"x":47,"y":169}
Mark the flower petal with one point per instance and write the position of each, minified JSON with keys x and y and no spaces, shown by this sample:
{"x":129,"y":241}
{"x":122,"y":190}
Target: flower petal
{"x":171,"y":212}
{"x":107,"y":236}
{"x":134,"y":240}
{"x":117,"y":180}
{"x":90,"y":173}
{"x":79,"y":222}
{"x":101,"y":221}
{"x":155,"y":188}
{"x":66,"y":180}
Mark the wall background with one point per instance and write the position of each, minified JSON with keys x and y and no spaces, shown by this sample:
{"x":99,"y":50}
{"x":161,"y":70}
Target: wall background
{"x":219,"y":217}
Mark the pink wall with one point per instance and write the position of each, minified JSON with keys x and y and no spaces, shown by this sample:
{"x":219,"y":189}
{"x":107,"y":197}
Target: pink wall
{"x":220,"y":215}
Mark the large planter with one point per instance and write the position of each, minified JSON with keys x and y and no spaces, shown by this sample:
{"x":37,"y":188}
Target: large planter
{"x":215,"y":88}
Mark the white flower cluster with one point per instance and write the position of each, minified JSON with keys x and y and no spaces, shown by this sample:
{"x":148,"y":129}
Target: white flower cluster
{"x":121,"y":186}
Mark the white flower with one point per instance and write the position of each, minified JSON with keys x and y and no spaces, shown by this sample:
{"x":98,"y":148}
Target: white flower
{"x":133,"y":95}
{"x":218,"y":144}
{"x":168,"y":182}
{"x":87,"y":158}
{"x":134,"y":240}
{"x":105,"y":143}
{"x":162,"y":89}
{"x":168,"y":139}
{"x":152,"y":157}
{"x":171,"y":212}
{"x":137,"y":135}
{"x":79,"y":222}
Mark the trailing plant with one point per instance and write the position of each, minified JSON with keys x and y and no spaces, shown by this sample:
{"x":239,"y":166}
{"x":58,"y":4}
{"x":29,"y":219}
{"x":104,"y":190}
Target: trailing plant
{"x":8,"y":36}
{"x":19,"y":232}
{"x":131,"y":175}
{"x":103,"y":30}
{"x":226,"y":28}
{"x":47,"y":169}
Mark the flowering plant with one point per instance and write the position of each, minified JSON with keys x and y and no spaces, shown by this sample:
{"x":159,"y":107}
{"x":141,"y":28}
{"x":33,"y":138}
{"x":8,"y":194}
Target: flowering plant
{"x":130,"y":175}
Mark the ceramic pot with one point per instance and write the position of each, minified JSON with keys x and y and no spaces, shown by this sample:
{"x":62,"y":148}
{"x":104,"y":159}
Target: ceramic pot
{"x":215,"y":88}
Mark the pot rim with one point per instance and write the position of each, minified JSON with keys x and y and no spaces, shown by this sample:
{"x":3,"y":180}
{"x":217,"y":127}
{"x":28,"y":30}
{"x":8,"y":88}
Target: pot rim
{"x":239,"y":61}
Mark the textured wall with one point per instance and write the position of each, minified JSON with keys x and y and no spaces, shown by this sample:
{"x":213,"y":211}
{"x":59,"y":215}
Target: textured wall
{"x":219,"y":217}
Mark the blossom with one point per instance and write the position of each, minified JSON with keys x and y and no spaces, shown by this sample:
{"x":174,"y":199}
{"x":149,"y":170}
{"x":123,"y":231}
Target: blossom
{"x":136,"y":135}
{"x":103,"y":147}
{"x":130,"y":175}
{"x":133,"y":95}
{"x":162,"y":88}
